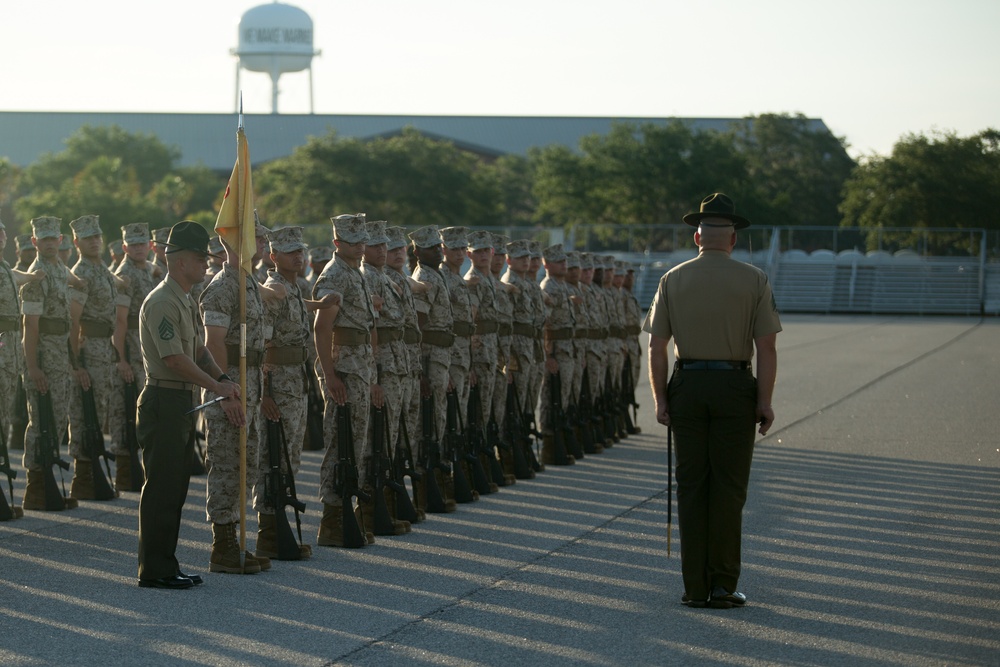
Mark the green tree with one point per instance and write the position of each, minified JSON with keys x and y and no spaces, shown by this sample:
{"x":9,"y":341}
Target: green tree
{"x":941,"y":180}
{"x":122,"y":177}
{"x":408,"y":179}
{"x":794,"y":173}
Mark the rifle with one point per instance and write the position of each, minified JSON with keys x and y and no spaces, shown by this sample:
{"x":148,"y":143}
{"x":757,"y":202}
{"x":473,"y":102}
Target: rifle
{"x":129,"y":437}
{"x":481,"y":446}
{"x":93,"y":444}
{"x":314,"y":412}
{"x":433,"y":465}
{"x":512,"y":426}
{"x":605,"y":404}
{"x":402,"y":468}
{"x":279,"y":489}
{"x":346,"y":474}
{"x":571,"y":427}
{"x":382,"y":474}
{"x":628,"y":395}
{"x":454,"y":444}
{"x":587,"y":420}
{"x":557,"y":441}
{"x":6,"y":511}
{"x":526,"y":431}
{"x":48,"y":451}
{"x":476,"y":445}
{"x":19,"y":420}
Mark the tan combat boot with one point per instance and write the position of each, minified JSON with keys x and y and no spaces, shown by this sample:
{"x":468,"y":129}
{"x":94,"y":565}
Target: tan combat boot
{"x":331,"y":528}
{"x":226,"y":552}
{"x":267,"y":539}
{"x":367,"y":509}
{"x":34,"y":494}
{"x":549,"y":452}
{"x":123,"y":474}
{"x":82,"y":487}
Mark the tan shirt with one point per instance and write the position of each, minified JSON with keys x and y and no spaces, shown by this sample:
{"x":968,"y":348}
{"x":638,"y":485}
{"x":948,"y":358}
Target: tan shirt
{"x":166,"y":328}
{"x":713,"y":307}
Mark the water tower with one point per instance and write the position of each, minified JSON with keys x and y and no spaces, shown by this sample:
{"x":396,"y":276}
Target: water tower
{"x":275,"y":39}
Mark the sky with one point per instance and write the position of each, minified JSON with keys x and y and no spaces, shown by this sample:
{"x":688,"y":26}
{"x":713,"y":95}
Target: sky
{"x":872,"y":70}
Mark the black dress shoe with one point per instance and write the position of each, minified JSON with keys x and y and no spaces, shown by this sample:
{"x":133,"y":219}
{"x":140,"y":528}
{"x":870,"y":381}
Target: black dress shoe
{"x":175,"y":581}
{"x":195,"y":578}
{"x":697,"y":604}
{"x":723,"y":599}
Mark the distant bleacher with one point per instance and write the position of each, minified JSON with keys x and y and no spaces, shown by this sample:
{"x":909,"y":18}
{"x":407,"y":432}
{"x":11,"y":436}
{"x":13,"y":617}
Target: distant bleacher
{"x":854,"y":282}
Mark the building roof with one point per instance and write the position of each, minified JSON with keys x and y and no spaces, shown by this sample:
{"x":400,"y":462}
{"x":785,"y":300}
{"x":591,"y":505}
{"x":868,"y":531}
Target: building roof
{"x":209,"y":139}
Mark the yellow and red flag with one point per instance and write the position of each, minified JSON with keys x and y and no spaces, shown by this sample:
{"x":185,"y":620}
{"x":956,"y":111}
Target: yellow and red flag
{"x":235,"y":224}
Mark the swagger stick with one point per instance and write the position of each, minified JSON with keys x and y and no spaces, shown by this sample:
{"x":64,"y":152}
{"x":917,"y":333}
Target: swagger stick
{"x":670,"y":486}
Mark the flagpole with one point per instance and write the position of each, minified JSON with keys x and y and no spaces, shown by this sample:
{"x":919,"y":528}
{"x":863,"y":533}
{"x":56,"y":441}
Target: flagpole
{"x":243,"y":361}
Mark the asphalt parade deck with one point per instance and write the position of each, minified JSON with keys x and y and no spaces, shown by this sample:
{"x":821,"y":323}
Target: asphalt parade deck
{"x":872,"y":534}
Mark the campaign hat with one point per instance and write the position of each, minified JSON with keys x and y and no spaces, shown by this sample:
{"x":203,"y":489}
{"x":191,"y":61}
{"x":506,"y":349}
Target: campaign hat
{"x":717,"y":205}
{"x":188,"y":235}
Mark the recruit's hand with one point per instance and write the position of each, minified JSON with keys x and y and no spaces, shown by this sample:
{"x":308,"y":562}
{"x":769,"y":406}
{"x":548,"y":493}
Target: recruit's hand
{"x":37,"y":376}
{"x":234,"y":412}
{"x":36,"y":275}
{"x":378,"y":396}
{"x":270,"y":409}
{"x":765,"y":417}
{"x":551,"y":366}
{"x":337,"y":389}
{"x":82,"y":378}
{"x":125,"y":371}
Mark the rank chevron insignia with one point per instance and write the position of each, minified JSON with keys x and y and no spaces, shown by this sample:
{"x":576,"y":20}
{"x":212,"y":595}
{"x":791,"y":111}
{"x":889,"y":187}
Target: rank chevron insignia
{"x":166,"y":329}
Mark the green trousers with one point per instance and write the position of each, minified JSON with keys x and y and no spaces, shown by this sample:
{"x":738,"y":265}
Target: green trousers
{"x":166,"y":436}
{"x":713,"y":417}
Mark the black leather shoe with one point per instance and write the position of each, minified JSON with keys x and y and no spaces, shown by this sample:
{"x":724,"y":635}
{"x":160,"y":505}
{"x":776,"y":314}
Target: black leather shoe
{"x":723,"y":599}
{"x":174,"y":582}
{"x":195,"y":578}
{"x":697,"y":604}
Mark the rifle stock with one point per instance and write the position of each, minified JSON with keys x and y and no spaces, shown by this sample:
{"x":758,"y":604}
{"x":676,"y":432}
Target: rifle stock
{"x":403,"y":467}
{"x":559,"y":448}
{"x":314,"y":412}
{"x":481,"y":447}
{"x":6,"y":511}
{"x":454,"y":442}
{"x":381,"y":474}
{"x":512,"y":426}
{"x":93,"y":444}
{"x":279,"y":491}
{"x":48,"y":451}
{"x":431,"y":452}
{"x":346,"y":474}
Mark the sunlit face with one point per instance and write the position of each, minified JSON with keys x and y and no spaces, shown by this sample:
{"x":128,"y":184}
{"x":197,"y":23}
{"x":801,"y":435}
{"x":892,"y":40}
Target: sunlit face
{"x":518,"y":264}
{"x":138,"y":252}
{"x":48,"y":248}
{"x":289,"y":262}
{"x":482,"y":259}
{"x":90,"y":246}
{"x":396,"y":258}
{"x":556,"y":269}
{"x":375,"y":254}
{"x":352,"y":252}
{"x":455,"y":256}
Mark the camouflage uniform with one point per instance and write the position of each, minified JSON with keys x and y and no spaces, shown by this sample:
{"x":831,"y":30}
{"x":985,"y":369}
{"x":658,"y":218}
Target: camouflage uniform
{"x":633,"y":326}
{"x":140,"y":284}
{"x":410,"y":398}
{"x":539,"y":310}
{"x":99,"y":298}
{"x":581,"y":333}
{"x":559,"y":332}
{"x":436,"y":332}
{"x":220,"y":308}
{"x":285,"y":364}
{"x":49,"y":300}
{"x":354,"y":365}
{"x":391,"y":357}
{"x":11,"y":353}
{"x":522,"y":344}
{"x":594,"y":305}
{"x":486,"y":345}
{"x":505,"y":326}
{"x":463,"y":325}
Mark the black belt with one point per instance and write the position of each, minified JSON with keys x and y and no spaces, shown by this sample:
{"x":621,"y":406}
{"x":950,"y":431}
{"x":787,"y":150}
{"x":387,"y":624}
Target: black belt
{"x":710,"y":365}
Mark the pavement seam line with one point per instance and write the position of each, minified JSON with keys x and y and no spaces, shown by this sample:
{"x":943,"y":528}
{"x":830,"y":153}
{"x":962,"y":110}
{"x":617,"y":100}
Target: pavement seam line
{"x":875,"y":381}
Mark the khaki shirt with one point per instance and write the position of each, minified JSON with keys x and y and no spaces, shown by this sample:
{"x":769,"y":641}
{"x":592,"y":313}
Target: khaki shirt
{"x":713,"y":307}
{"x":166,"y":328}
